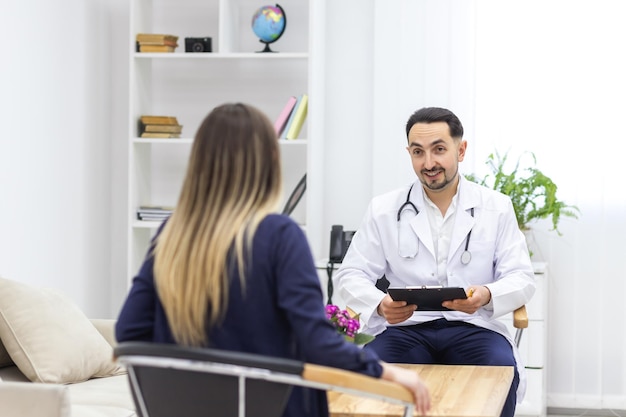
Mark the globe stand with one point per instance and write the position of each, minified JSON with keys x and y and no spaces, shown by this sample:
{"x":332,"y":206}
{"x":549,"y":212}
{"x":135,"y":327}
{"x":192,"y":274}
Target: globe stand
{"x":267,"y":47}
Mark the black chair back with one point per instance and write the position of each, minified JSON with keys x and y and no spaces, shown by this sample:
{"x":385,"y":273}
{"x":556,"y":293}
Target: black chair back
{"x":170,"y":380}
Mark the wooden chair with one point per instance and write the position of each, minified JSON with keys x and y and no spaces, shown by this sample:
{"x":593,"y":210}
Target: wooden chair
{"x":520,"y":322}
{"x":168,"y":380}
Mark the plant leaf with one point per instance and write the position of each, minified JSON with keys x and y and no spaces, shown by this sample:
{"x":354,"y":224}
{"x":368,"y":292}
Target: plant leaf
{"x":363,"y":339}
{"x":532,"y":193}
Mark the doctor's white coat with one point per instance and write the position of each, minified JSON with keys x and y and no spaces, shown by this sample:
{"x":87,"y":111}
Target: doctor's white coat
{"x":499,"y":258}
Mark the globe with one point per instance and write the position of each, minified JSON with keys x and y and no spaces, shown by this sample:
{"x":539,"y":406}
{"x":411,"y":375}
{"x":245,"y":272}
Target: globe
{"x":268,"y":24}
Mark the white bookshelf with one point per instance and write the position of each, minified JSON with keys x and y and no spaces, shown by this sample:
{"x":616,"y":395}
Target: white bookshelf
{"x":189,"y":85}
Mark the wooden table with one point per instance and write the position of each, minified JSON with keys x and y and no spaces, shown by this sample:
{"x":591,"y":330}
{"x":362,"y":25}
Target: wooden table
{"x":455,"y":390}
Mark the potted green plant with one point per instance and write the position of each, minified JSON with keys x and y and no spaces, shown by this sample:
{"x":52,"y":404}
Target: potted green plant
{"x":532,"y":192}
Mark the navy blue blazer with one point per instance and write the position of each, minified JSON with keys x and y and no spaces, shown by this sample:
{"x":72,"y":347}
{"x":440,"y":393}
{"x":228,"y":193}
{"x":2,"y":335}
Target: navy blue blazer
{"x":280,"y":312}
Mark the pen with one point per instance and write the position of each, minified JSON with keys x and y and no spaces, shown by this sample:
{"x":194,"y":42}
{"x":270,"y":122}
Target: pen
{"x":471,"y":292}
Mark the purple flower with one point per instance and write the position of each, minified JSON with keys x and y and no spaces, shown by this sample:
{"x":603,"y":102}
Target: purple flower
{"x":346,"y":325}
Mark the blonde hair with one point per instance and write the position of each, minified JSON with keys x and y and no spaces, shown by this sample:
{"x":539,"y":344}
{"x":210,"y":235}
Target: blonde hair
{"x":232,"y":182}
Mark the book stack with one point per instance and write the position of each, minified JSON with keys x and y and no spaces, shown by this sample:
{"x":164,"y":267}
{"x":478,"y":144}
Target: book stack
{"x":159,"y":127}
{"x":154,"y":42}
{"x":289,"y":123}
{"x":154,"y":213}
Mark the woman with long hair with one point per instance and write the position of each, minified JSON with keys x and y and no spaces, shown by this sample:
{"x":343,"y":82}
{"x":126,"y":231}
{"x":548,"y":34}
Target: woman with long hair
{"x":225,"y":271}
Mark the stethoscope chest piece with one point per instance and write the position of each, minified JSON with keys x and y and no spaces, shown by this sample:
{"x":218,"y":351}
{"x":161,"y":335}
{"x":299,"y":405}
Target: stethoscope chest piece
{"x":466,"y":257}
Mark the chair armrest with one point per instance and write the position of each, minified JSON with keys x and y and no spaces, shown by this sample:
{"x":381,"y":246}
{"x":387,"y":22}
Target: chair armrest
{"x":353,"y":381}
{"x":520,"y":318}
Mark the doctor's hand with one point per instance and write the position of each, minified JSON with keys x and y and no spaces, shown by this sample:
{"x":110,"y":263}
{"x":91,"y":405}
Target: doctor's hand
{"x":477,"y":296}
{"x":395,"y":311}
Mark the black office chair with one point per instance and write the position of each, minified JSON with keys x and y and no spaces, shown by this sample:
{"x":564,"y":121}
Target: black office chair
{"x":170,"y":380}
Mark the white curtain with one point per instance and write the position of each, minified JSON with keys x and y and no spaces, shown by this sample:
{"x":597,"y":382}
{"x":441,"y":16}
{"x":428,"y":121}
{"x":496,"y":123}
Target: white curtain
{"x":551,"y":79}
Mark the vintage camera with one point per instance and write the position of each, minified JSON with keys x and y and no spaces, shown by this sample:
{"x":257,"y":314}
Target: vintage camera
{"x":198,"y":45}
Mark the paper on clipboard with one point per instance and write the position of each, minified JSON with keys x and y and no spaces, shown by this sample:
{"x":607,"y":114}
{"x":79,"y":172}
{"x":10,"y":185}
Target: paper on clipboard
{"x":427,"y":298}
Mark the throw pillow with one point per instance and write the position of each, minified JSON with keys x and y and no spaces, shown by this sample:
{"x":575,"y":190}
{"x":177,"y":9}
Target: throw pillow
{"x":49,"y":338}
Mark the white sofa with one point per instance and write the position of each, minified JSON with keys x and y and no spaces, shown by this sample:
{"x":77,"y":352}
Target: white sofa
{"x":54,"y":362}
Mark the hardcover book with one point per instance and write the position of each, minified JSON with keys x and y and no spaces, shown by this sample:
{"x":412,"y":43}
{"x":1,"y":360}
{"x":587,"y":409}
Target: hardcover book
{"x":159,"y":135}
{"x":283,"y":117}
{"x":156,"y":38}
{"x":163,"y":128}
{"x":156,"y":48}
{"x":158,"y":120}
{"x":166,"y":42}
{"x":152,"y":213}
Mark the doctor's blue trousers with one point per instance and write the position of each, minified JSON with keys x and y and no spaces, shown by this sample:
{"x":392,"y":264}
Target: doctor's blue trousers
{"x":450,"y":343}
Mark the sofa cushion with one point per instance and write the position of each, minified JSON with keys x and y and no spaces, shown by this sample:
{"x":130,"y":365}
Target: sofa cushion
{"x":49,"y":338}
{"x":110,"y":397}
{"x":28,"y":399}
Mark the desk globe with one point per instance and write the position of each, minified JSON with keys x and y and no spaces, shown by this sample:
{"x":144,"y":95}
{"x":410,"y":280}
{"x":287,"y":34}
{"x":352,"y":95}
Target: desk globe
{"x":268,"y":24}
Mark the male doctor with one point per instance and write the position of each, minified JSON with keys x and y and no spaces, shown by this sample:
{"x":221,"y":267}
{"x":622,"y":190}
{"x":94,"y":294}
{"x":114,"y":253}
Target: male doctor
{"x":441,"y":230}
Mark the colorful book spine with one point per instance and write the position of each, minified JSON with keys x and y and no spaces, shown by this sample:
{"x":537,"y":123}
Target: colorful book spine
{"x":290,"y":120}
{"x":281,"y":121}
{"x":299,"y":117}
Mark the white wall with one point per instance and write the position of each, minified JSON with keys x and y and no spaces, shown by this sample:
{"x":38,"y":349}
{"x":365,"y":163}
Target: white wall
{"x":119,"y":34}
{"x":56,"y":110}
{"x":423,"y":56}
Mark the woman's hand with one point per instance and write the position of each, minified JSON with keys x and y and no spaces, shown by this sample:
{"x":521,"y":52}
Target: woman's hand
{"x":412,"y":381}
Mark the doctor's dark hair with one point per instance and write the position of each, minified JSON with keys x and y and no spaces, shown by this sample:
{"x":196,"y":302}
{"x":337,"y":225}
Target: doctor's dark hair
{"x":436,"y":114}
{"x":233,"y":181}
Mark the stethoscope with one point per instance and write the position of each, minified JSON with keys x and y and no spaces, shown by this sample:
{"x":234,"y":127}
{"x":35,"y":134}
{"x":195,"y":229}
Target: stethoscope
{"x":466,"y":256}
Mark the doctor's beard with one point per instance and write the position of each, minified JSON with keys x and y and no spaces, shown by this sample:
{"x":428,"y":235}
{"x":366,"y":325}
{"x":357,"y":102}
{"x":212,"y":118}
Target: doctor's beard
{"x":438,"y":186}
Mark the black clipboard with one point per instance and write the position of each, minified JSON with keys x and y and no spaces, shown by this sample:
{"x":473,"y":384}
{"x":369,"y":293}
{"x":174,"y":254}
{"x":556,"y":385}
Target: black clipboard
{"x":427,"y":298}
